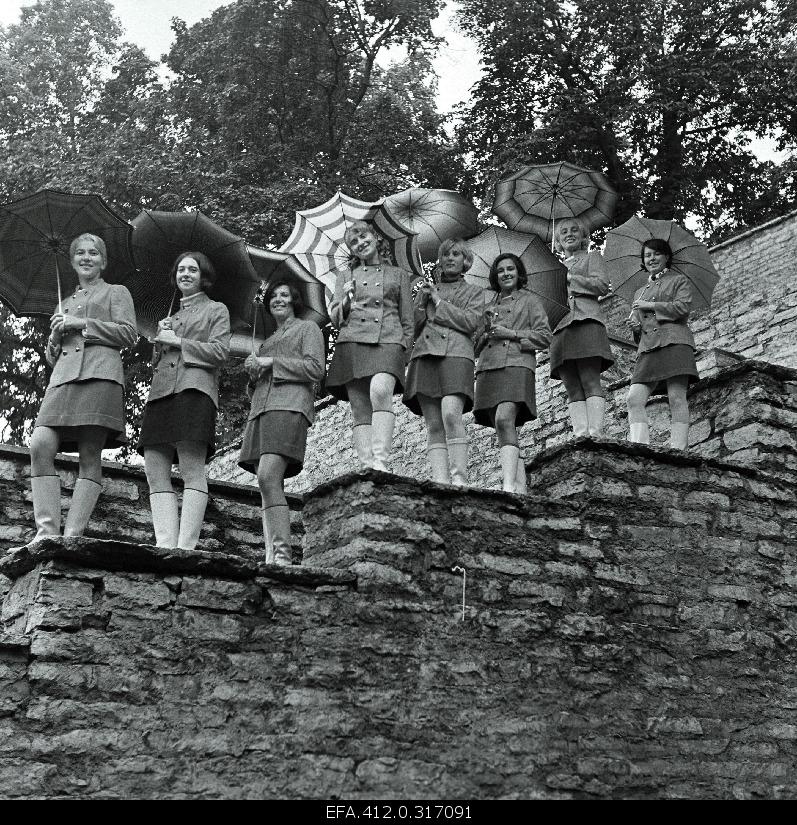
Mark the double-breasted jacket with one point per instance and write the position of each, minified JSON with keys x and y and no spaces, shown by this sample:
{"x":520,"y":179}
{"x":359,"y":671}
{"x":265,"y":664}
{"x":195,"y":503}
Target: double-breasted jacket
{"x":666,"y":324}
{"x":586,"y":282}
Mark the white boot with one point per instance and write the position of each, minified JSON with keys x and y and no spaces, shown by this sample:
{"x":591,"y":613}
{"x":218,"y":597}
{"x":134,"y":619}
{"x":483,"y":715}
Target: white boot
{"x":438,"y":461}
{"x":640,"y":433}
{"x":191,"y":517}
{"x":165,"y":518}
{"x":578,"y":417}
{"x":679,"y":435}
{"x":361,"y":441}
{"x":521,"y":482}
{"x":382,"y":422}
{"x":267,"y":537}
{"x":46,"y":492}
{"x":596,"y":407}
{"x":277,"y":525}
{"x":458,"y":460}
{"x":84,"y":499}
{"x":509,"y":459}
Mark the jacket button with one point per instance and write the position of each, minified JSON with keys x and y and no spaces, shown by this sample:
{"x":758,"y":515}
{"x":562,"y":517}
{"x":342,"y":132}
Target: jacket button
{"x":443,"y":335}
{"x":376,"y":320}
{"x":377,"y":283}
{"x":171,"y":364}
{"x":365,"y":283}
{"x":377,"y":302}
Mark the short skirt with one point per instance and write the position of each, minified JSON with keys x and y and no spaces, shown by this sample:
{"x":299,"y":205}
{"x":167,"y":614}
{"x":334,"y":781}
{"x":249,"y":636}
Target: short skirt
{"x":189,"y":415}
{"x":279,"y":432}
{"x":656,"y":366}
{"x":516,"y":384}
{"x":580,"y":339}
{"x":435,"y":376}
{"x":352,"y":361}
{"x":92,"y":403}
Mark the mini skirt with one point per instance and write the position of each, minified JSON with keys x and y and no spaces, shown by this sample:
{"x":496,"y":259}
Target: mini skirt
{"x":91,"y":403}
{"x":670,"y":361}
{"x":279,"y":432}
{"x":516,"y":384}
{"x":189,"y":415}
{"x":352,"y":361}
{"x":580,"y":339}
{"x":437,"y":376}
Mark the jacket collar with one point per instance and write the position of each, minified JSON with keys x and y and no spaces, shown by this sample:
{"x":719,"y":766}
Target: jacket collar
{"x":194,"y":300}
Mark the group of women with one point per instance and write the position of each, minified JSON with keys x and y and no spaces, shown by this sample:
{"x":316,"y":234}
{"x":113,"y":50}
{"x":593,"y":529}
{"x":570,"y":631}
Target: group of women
{"x":429,"y":347}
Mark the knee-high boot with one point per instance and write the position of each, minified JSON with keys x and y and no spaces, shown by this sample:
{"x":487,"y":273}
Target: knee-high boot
{"x":277,"y":529}
{"x":84,"y":499}
{"x":578,"y":417}
{"x":509,"y":459}
{"x":438,"y":461}
{"x":639,"y":432}
{"x":458,"y":460}
{"x":46,"y":492}
{"x":679,"y":435}
{"x":165,"y":517}
{"x":191,"y":517}
{"x":382,"y":422}
{"x":521,"y":482}
{"x":596,"y":408}
{"x":361,"y":441}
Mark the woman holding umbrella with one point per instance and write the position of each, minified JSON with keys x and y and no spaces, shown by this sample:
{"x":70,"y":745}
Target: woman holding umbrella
{"x":440,"y":376}
{"x":281,"y":376}
{"x":665,"y":355}
{"x":372,"y":310}
{"x":580,"y":349}
{"x":505,"y":379}
{"x":83,"y":408}
{"x":180,"y":416}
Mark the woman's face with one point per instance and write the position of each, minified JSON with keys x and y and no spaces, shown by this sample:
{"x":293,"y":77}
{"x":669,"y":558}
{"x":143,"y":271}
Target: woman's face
{"x":568,"y":234}
{"x":280,"y":305}
{"x":87,"y":261}
{"x":453,"y":261}
{"x":507,"y":275}
{"x":362,"y":242}
{"x":655,"y":262}
{"x":189,"y":277}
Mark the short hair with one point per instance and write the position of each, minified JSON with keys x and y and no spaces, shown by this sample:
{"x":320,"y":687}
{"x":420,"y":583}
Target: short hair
{"x":382,"y":246}
{"x":296,"y":296}
{"x":583,"y":228}
{"x":207,"y":272}
{"x":522,"y":275}
{"x":657,"y":245}
{"x":96,"y":240}
{"x":450,"y":243}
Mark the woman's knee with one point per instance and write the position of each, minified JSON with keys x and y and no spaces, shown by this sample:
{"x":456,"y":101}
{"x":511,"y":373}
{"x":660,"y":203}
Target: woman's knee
{"x":590,"y":377}
{"x":381,"y":391}
{"x":505,"y":416}
{"x":451,"y":410}
{"x":637,"y":398}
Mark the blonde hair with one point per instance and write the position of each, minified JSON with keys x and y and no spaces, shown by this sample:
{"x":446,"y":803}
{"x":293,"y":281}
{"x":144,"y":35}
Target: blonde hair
{"x":456,"y":243}
{"x":96,"y":240}
{"x":382,"y":246}
{"x":583,"y":228}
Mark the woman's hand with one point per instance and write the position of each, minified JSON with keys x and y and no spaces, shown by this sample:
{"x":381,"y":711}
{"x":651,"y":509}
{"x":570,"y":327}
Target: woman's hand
{"x":167,"y":337}
{"x":256,"y":366}
{"x":61,"y":323}
{"x":500,"y":332}
{"x":633,"y":321}
{"x":349,"y":288}
{"x":165,"y":323}
{"x":643,"y":306}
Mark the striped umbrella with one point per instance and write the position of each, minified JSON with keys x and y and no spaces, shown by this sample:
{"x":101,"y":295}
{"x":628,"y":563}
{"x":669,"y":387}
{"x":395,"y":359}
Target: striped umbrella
{"x":317,"y":237}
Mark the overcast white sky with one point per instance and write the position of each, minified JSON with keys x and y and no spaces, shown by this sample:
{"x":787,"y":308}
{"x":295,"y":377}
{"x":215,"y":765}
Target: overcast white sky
{"x":147,"y":23}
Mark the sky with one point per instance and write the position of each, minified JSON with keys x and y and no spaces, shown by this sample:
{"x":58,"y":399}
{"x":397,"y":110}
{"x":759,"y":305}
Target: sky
{"x":147,"y":24}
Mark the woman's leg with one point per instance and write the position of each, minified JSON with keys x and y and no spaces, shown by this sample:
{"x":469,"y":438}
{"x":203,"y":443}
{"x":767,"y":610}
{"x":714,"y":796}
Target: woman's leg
{"x":679,"y":411}
{"x":436,"y":447}
{"x":359,"y":392}
{"x":451,"y":407}
{"x":576,"y":399}
{"x":505,"y":417}
{"x":162,"y":498}
{"x":589,"y":373}
{"x":638,"y":395}
{"x":88,"y":484}
{"x":191,"y":457}
{"x":45,"y":482}
{"x":521,"y":483}
{"x":383,"y":418}
{"x":276,"y":514}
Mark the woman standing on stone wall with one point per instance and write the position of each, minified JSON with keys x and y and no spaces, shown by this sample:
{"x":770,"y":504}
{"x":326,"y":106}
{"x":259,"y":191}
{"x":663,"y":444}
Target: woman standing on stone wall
{"x":440,"y":376}
{"x":180,"y":416}
{"x":372,"y":310}
{"x":665,"y":355}
{"x":580,"y":349}
{"x":83,"y":408}
{"x":505,"y":371}
{"x":281,"y":379}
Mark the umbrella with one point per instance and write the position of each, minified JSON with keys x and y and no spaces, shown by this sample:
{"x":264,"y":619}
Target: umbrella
{"x":534,"y":198}
{"x":317,"y":237}
{"x":35,"y":234}
{"x":159,"y":237}
{"x":547,"y":276}
{"x":434,"y":214}
{"x":690,"y":258}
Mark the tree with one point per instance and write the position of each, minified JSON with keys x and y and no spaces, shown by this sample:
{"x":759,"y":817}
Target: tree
{"x":664,"y":97}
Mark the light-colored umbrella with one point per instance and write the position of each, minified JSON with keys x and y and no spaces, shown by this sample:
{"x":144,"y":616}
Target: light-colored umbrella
{"x":690,"y":258}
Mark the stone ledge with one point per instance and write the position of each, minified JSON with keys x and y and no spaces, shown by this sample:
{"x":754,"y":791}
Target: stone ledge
{"x":14,"y":642}
{"x":141,"y":558}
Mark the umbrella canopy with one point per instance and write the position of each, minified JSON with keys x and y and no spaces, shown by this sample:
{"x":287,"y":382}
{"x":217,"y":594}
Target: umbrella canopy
{"x":35,"y":234}
{"x":159,"y":237}
{"x":534,"y":198}
{"x":434,"y":214}
{"x":690,"y":258}
{"x":317,"y":237}
{"x":547,"y":275}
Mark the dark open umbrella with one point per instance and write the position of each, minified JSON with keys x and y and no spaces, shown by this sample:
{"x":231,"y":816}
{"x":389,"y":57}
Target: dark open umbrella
{"x":547,"y":275}
{"x":35,"y":234}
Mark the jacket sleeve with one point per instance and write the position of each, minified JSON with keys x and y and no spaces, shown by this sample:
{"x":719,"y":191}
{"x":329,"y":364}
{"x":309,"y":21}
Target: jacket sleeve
{"x":678,"y":308}
{"x":538,"y":330}
{"x":406,"y":309}
{"x":306,"y":363}
{"x":465,"y":319}
{"x":593,"y":280}
{"x":120,"y":330}
{"x":214,"y":352}
{"x":339,"y":308}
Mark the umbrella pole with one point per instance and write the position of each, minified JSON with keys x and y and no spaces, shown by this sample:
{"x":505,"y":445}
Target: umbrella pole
{"x":254,"y":324}
{"x":58,"y":284}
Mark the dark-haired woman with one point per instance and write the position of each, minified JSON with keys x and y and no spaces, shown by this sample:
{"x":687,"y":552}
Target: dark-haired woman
{"x":665,"y":355}
{"x":83,"y":408}
{"x":180,"y":416}
{"x":281,"y":375}
{"x":505,"y":370}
